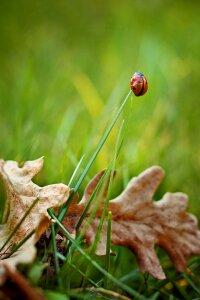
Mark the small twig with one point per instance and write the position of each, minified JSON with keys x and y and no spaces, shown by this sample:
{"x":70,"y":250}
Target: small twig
{"x":103,"y":291}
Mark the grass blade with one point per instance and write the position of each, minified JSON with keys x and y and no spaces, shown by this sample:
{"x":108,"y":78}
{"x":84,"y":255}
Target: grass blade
{"x":19,"y":224}
{"x":16,"y":247}
{"x":108,"y":247}
{"x":56,"y":262}
{"x":126,"y":288}
{"x":89,"y":164}
{"x":76,"y":170}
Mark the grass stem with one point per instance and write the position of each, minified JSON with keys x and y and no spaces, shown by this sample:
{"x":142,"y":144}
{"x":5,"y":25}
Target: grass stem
{"x":108,"y":247}
{"x":57,"y":268}
{"x":126,"y":288}
{"x":19,"y":224}
{"x":93,"y":157}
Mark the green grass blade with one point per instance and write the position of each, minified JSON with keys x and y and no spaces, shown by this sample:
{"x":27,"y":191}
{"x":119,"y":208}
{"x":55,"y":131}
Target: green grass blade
{"x":92,"y":159}
{"x":19,"y":224}
{"x":193,"y":285}
{"x":83,"y":275}
{"x":64,"y":209}
{"x":76,"y":170}
{"x":98,"y":293}
{"x":126,"y":288}
{"x":92,"y":214}
{"x":101,"y":143}
{"x":110,"y":173}
{"x":155,"y":296}
{"x":16,"y":247}
{"x":105,"y":208}
{"x":91,"y":199}
{"x":56,"y":262}
{"x":108,"y":247}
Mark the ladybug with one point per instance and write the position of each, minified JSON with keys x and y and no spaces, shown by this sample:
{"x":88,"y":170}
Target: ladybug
{"x":139,"y":84}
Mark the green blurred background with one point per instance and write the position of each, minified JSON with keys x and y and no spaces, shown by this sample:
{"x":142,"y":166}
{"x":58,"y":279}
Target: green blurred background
{"x":65,"y":69}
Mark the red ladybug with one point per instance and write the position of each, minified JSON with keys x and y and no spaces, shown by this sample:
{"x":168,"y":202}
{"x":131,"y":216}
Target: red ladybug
{"x":139,"y":84}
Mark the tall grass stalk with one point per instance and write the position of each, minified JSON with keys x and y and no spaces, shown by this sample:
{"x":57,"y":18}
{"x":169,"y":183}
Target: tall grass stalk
{"x":80,"y":180}
{"x":109,"y":175}
{"x":100,"y":187}
{"x":121,"y":285}
{"x":93,"y":157}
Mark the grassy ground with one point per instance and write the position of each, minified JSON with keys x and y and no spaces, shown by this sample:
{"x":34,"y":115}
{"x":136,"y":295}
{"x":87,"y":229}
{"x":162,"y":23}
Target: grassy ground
{"x":65,"y":69}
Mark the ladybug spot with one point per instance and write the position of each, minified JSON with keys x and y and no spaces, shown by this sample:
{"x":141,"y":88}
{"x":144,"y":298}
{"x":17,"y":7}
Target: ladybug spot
{"x":134,"y":88}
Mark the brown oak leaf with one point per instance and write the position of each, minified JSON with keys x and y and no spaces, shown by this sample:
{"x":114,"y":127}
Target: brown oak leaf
{"x":139,"y":224}
{"x":18,"y":287}
{"x":23,"y":195}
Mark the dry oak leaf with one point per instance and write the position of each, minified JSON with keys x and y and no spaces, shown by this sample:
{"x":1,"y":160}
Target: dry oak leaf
{"x":21,"y":194}
{"x":139,"y":224}
{"x":18,"y":287}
